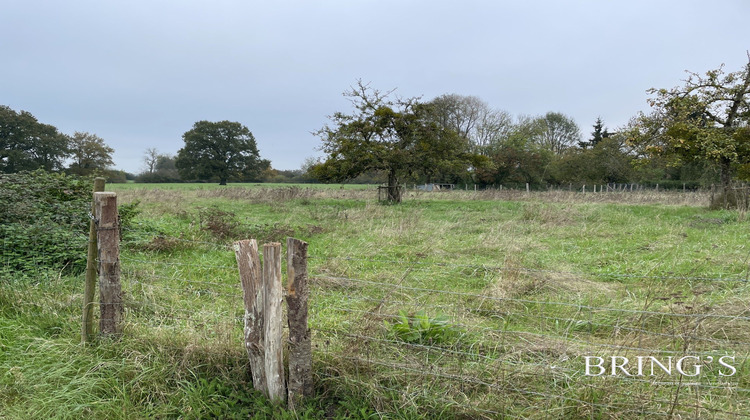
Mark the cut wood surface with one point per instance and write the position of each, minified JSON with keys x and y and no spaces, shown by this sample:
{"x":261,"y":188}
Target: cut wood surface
{"x":248,"y":262}
{"x":273,"y":329}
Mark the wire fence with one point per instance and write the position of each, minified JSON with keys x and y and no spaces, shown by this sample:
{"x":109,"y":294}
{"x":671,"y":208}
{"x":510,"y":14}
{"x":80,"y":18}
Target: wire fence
{"x":439,"y":336}
{"x":472,"y":340}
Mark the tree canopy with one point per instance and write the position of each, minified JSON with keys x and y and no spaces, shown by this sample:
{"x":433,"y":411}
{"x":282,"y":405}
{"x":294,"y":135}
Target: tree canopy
{"x":89,"y":154}
{"x":400,"y":137}
{"x":706,"y":119}
{"x":219,"y":151}
{"x":27,"y":144}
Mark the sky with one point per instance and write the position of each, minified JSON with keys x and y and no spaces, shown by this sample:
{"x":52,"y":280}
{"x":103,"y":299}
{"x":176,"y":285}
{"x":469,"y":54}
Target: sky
{"x":140,"y":73}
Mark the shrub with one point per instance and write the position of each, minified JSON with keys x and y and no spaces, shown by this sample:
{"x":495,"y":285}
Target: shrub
{"x":44,"y":220}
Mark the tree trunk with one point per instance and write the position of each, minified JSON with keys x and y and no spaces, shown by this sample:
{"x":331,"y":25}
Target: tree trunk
{"x":394,"y":193}
{"x":726,"y":180}
{"x":223,"y":181}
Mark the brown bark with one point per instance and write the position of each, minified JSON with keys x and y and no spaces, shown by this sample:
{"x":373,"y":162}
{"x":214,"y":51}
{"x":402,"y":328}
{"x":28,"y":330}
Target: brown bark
{"x":300,"y":348}
{"x":110,"y":291}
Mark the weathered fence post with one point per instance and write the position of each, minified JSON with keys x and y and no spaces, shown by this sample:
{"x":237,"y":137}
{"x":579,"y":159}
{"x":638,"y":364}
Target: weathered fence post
{"x":90,"y":279}
{"x":108,"y":244}
{"x":300,"y":348}
{"x":274,"y":350}
{"x":248,"y":262}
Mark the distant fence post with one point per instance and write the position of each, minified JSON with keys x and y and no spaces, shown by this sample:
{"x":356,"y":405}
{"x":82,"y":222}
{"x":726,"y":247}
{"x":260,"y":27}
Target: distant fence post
{"x":90,"y":279}
{"x":300,"y":348}
{"x":248,"y":262}
{"x":108,"y":244}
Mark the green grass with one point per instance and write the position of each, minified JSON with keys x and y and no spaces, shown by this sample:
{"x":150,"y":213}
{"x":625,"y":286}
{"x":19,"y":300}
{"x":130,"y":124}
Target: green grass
{"x":213,"y":185}
{"x":512,"y":290}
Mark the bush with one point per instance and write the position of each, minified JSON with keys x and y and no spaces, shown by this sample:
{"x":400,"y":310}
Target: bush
{"x":44,"y":219}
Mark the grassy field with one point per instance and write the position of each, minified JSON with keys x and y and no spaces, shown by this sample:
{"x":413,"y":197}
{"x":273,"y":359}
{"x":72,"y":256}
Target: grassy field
{"x":451,"y":305}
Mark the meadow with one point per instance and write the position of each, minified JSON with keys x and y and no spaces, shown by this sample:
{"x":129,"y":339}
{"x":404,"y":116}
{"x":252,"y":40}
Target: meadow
{"x":454,"y":304}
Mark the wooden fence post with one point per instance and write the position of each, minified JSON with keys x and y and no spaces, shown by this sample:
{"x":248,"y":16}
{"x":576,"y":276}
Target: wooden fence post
{"x":300,"y":347}
{"x":90,"y":279}
{"x":108,"y":244}
{"x":274,"y":351}
{"x":253,"y":290}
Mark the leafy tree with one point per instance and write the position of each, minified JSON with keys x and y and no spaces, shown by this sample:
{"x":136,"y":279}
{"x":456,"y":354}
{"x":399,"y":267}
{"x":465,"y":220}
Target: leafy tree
{"x":705,"y":120}
{"x":219,"y":151}
{"x":27,"y":144}
{"x":555,"y":132}
{"x":398,"y":137}
{"x":517,"y":160}
{"x":89,"y":154}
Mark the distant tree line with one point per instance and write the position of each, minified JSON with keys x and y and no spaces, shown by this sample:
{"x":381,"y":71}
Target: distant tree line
{"x":697,"y":134}
{"x":27,"y":145}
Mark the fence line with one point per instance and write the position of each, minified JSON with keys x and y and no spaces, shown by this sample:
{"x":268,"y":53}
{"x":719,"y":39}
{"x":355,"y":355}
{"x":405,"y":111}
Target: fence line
{"x":721,"y":278}
{"x":154,"y":276}
{"x":566,"y":339}
{"x":530,"y":270}
{"x":501,"y":388}
{"x":535,"y":315}
{"x":536,"y":302}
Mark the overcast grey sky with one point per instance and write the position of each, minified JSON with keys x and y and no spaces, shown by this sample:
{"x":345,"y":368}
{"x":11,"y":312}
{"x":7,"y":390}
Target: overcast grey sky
{"x":139,"y":73}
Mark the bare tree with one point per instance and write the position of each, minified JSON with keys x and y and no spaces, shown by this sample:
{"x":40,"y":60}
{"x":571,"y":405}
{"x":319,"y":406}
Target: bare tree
{"x":472,"y":119}
{"x":150,"y":158}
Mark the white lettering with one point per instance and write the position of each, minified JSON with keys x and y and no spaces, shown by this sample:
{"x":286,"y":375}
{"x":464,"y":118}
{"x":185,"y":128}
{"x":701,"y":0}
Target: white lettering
{"x":697,"y":365}
{"x":664,"y":368}
{"x":721,"y":362}
{"x":600,"y":365}
{"x":615,"y":366}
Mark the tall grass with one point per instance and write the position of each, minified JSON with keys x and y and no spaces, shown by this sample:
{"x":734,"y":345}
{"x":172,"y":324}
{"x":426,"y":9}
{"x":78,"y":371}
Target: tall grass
{"x":453,"y":304}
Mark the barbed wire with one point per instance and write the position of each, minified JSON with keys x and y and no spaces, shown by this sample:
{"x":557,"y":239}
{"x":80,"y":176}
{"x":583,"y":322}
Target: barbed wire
{"x":587,"y":322}
{"x":554,"y":367}
{"x":175,"y":289}
{"x":179,"y":264}
{"x":129,"y":274}
{"x":502,"y":331}
{"x":534,"y":302}
{"x":507,"y":384}
{"x":431,"y":398}
{"x":530,"y":270}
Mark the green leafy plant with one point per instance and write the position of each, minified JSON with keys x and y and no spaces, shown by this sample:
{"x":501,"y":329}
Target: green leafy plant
{"x":420,"y":328}
{"x":44,"y":220}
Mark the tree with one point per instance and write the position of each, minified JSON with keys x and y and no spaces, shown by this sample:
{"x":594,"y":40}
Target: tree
{"x":556,"y":132}
{"x":89,"y":154}
{"x":27,"y":144}
{"x":164,"y":170}
{"x":150,"y":158}
{"x":600,"y":133}
{"x":398,"y":137}
{"x":219,"y":151}
{"x":706,"y":119}
{"x":472,"y":119}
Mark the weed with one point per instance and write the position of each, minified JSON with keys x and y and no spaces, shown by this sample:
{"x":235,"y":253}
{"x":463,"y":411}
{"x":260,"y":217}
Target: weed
{"x":419,"y":328}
